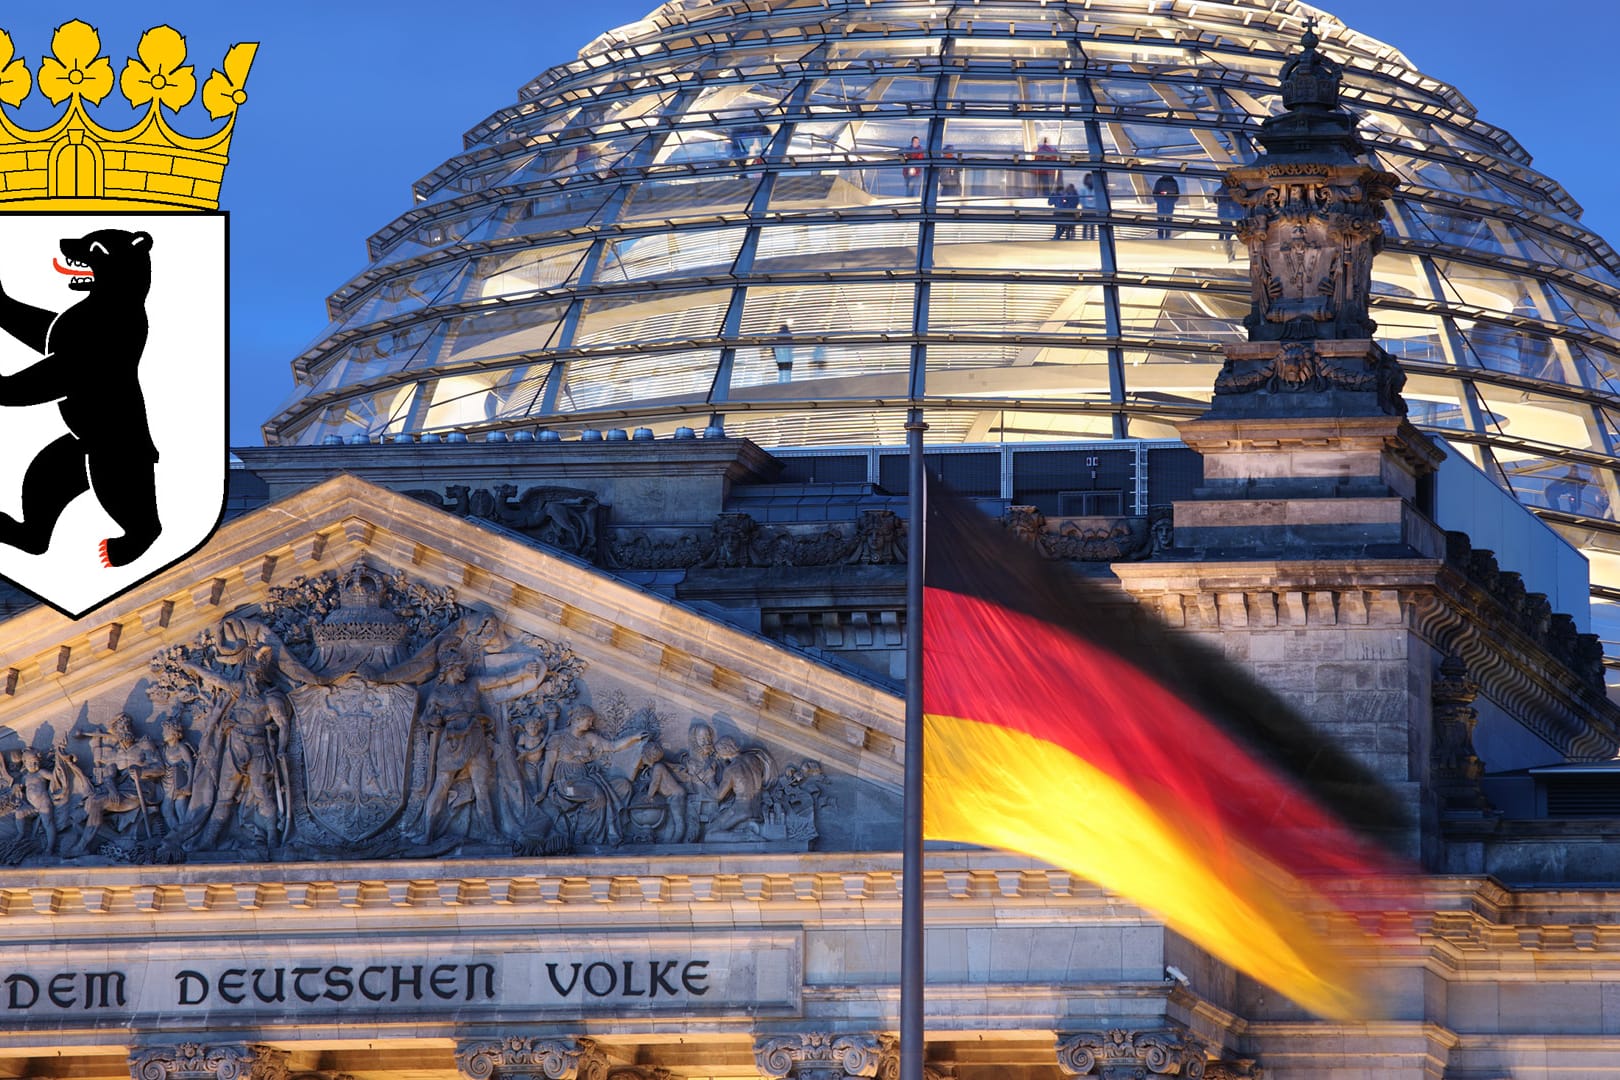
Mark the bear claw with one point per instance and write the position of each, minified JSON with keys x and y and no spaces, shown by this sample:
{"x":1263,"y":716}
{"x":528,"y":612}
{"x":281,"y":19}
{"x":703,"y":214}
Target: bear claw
{"x":104,"y":560}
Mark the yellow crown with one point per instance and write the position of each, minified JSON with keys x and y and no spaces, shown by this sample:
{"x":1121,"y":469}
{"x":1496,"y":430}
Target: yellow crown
{"x":76,"y":164}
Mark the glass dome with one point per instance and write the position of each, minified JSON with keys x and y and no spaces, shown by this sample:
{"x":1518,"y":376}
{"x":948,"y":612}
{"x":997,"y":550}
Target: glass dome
{"x":774,"y":211}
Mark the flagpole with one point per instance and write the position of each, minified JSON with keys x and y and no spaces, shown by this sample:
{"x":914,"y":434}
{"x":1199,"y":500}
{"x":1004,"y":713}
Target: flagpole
{"x":911,"y":860}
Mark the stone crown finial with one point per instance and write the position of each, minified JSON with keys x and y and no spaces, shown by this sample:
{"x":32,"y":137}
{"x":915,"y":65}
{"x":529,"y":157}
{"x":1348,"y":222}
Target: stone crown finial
{"x":1313,"y":126}
{"x":1311,"y":78}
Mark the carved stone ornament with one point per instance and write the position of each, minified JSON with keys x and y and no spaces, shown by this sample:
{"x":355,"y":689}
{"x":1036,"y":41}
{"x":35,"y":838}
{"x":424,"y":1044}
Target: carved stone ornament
{"x":889,"y":1062}
{"x":1457,"y":770}
{"x":736,"y":541}
{"x":559,"y":517}
{"x":520,"y":1057}
{"x":1119,"y":1054}
{"x":195,"y":1061}
{"x":1124,"y":539}
{"x":363,"y":715}
{"x":1313,"y":217}
{"x":818,"y":1055}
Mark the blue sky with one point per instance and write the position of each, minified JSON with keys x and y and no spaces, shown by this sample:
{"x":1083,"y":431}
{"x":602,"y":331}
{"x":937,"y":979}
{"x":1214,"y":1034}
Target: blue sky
{"x":352,"y":102}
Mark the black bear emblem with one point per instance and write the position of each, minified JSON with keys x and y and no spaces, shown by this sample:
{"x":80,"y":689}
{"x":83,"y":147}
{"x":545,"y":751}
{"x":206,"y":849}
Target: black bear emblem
{"x":91,"y":353}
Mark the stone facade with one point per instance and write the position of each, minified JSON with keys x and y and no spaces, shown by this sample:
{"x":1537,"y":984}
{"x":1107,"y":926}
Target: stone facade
{"x":710,"y":956}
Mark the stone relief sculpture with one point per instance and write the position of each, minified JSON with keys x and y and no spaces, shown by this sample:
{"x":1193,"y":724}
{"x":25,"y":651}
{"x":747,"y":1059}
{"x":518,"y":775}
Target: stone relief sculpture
{"x":564,"y":518}
{"x":363,"y":715}
{"x":735,"y":541}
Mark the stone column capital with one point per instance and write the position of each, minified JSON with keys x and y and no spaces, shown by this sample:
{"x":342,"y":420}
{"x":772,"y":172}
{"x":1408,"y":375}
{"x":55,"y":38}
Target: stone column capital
{"x":817,"y":1055}
{"x":207,"y":1061}
{"x":524,"y":1057}
{"x":1120,"y":1054}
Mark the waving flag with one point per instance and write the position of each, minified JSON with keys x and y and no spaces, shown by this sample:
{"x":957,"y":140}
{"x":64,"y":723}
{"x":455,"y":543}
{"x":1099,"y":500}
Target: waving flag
{"x":1063,"y":723}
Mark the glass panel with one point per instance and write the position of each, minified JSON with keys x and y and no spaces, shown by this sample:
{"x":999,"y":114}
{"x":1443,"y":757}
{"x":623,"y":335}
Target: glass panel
{"x":461,"y":400}
{"x":857,"y":88}
{"x":998,"y":307}
{"x":408,"y":292}
{"x":519,"y":272}
{"x":669,"y":254}
{"x":832,"y":309}
{"x":1174,"y":315}
{"x":652,"y":318}
{"x":493,"y":332}
{"x":556,"y":212}
{"x":1548,"y":421}
{"x":787,"y":247}
{"x":1015,"y":425}
{"x":599,"y":382}
{"x":878,"y":186}
{"x":677,"y":200}
{"x":1009,"y":246}
{"x":778,"y":370}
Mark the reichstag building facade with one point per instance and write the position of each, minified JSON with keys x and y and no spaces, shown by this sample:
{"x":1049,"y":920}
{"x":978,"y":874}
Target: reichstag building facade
{"x":536,"y":712}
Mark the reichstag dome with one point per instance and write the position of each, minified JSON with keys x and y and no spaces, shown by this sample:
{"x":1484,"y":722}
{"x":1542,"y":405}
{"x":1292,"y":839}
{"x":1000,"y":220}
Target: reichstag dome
{"x":767,"y":214}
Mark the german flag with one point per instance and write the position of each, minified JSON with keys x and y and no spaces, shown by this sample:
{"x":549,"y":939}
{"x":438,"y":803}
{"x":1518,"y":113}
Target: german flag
{"x":1062,"y":722}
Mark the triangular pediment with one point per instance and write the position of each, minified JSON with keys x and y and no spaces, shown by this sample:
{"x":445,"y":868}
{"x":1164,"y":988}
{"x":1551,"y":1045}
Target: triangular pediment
{"x":347,"y":673}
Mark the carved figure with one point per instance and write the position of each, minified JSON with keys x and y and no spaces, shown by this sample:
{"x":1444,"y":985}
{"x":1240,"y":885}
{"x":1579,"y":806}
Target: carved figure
{"x":743,"y":777}
{"x":179,"y":769}
{"x":38,"y":799}
{"x":733,"y":540}
{"x":243,"y":753}
{"x":459,"y":727}
{"x":577,"y":787}
{"x":122,"y":765}
{"x":700,"y":769}
{"x":879,"y":538}
{"x":661,"y":791}
{"x":562,"y":517}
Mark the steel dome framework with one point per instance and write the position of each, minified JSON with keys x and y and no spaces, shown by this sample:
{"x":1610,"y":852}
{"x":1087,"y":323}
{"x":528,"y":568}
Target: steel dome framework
{"x":777,"y":211}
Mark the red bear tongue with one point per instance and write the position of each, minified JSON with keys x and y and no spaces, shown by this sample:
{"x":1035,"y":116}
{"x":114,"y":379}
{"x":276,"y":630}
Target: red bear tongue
{"x":71,"y":271}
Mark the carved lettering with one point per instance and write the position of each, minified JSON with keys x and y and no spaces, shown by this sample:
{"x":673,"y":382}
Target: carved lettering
{"x":612,"y":980}
{"x":694,"y":975}
{"x":337,"y":978}
{"x":443,"y":981}
{"x":277,"y":995}
{"x":660,"y":971}
{"x":472,"y":980}
{"x":298,"y":983}
{"x":15,"y":983}
{"x":233,"y":993}
{"x":100,"y":985}
{"x":188,"y":981}
{"x":414,"y":981}
{"x":60,"y":989}
{"x":365,"y":990}
{"x":629,"y":977}
{"x":562,"y":991}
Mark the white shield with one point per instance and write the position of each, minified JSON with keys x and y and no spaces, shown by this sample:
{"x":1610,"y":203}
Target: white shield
{"x":355,"y":736}
{"x":112,"y":450}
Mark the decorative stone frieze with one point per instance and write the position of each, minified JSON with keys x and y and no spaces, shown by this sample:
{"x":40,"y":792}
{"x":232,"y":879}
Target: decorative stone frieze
{"x":522,"y":1057}
{"x":563,"y":518}
{"x":737,"y":541}
{"x":817,"y":1056}
{"x":198,"y":1061}
{"x":1120,"y":1054}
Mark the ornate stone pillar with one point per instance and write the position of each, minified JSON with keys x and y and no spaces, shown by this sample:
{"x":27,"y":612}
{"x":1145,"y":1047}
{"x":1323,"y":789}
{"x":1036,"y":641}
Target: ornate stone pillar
{"x":1119,"y":1054}
{"x":522,"y":1057}
{"x":817,"y":1055}
{"x":207,"y":1061}
{"x":1306,"y":444}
